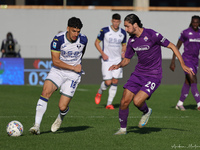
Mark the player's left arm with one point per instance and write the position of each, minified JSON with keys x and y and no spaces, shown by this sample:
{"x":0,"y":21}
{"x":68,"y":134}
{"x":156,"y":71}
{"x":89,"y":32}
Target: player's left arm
{"x":178,"y":55}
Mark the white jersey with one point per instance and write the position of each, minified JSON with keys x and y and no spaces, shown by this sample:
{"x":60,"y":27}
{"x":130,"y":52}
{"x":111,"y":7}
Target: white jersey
{"x":112,"y":41}
{"x":70,"y":53}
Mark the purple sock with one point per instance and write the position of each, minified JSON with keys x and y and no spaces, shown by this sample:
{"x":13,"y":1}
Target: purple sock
{"x":195,"y":92}
{"x":184,"y":92}
{"x":144,"y":108}
{"x":123,"y":115}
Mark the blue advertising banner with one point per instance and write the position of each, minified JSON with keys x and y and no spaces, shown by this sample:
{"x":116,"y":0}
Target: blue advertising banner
{"x":12,"y":71}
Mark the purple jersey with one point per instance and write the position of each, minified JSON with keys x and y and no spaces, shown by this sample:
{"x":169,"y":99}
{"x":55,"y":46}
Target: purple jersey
{"x":148,"y":49}
{"x":191,"y":41}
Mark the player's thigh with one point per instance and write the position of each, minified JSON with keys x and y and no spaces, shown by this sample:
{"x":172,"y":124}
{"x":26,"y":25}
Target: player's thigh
{"x":69,"y":87}
{"x":48,"y":88}
{"x":118,"y":73}
{"x":107,"y":75}
{"x":140,"y":98}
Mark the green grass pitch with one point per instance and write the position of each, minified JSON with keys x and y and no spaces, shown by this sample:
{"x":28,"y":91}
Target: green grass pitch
{"x":88,"y":126}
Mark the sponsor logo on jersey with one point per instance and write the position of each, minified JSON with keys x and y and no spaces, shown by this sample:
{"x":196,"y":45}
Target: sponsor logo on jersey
{"x":142,"y":48}
{"x":55,"y":39}
{"x":194,"y":40}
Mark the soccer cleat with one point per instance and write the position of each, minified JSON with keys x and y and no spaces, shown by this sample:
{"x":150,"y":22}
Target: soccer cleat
{"x":181,"y":107}
{"x":56,"y":125}
{"x":144,"y":119}
{"x":35,"y":129}
{"x":120,"y":132}
{"x":98,"y":98}
{"x":110,"y":107}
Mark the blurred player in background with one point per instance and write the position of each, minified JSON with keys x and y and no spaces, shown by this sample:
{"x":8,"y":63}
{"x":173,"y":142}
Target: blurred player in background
{"x":190,"y":38}
{"x":112,"y":52}
{"x":67,"y":50}
{"x":148,"y":72}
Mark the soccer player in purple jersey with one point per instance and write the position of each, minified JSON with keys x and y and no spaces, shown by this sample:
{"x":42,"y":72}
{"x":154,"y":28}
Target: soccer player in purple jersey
{"x":190,"y":38}
{"x":148,"y":72}
{"x":67,"y":50}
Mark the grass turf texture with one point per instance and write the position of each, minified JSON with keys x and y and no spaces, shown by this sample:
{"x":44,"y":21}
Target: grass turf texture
{"x":90,"y":126}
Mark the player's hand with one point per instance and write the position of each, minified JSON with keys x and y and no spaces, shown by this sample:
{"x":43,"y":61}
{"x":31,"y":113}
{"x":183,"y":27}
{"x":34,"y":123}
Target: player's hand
{"x":104,"y":56}
{"x":188,"y":70}
{"x":78,"y":68}
{"x":113,"y":67}
{"x":172,"y":66}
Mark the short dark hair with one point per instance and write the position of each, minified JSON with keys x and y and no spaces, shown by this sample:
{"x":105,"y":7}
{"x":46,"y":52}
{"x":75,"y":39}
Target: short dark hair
{"x":132,"y":18}
{"x":116,"y":16}
{"x":75,"y":22}
{"x":194,"y":17}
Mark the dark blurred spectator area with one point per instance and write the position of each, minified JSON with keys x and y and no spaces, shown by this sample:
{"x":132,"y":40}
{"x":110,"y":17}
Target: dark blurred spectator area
{"x":168,"y":3}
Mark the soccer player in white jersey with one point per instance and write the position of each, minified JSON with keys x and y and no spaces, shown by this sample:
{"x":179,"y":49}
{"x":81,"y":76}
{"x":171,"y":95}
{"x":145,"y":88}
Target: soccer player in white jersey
{"x":114,"y":46}
{"x":67,"y":49}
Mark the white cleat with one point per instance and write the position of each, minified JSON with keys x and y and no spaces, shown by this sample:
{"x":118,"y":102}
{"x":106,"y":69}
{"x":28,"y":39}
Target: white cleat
{"x":144,"y":119}
{"x":35,"y":129}
{"x":120,"y":132}
{"x":181,"y":107}
{"x":56,"y":125}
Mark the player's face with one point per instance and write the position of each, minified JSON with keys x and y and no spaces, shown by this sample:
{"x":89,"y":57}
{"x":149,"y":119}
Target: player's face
{"x":129,"y":28}
{"x":195,"y":24}
{"x":116,"y":23}
{"x":72,"y":33}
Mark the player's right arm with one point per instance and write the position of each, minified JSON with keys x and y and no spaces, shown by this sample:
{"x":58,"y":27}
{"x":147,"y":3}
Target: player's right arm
{"x":60,"y":64}
{"x":97,"y":45}
{"x":172,"y":65}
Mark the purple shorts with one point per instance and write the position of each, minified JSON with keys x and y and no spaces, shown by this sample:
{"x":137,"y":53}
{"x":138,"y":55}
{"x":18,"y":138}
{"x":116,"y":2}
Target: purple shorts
{"x":144,"y":83}
{"x":191,"y":65}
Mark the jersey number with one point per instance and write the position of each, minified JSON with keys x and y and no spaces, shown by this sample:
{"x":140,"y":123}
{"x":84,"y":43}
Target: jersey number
{"x":73,"y":84}
{"x":150,"y":85}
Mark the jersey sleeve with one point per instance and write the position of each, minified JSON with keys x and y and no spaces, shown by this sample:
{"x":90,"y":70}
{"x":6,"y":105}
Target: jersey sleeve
{"x":182,"y":37}
{"x":124,"y":33}
{"x":55,"y":44}
{"x":160,"y":40}
{"x":83,"y":39}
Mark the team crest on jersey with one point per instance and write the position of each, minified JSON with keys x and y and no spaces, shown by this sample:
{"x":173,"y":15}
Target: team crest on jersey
{"x":145,"y":38}
{"x":79,"y":46}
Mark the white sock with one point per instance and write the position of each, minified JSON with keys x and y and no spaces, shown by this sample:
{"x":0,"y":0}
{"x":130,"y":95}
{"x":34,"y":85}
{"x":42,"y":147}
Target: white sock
{"x":103,"y":87}
{"x":123,"y":129}
{"x":180,"y":103}
{"x":111,"y":94}
{"x":40,"y":110}
{"x":198,"y":104}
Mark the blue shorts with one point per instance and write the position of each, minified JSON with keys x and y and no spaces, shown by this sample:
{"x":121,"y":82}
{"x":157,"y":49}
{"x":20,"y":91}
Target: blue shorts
{"x":144,"y":83}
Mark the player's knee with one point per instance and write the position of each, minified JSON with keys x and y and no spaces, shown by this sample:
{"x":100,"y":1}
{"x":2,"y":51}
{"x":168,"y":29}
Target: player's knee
{"x":124,"y":104}
{"x":137,"y":103}
{"x":62,"y":107}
